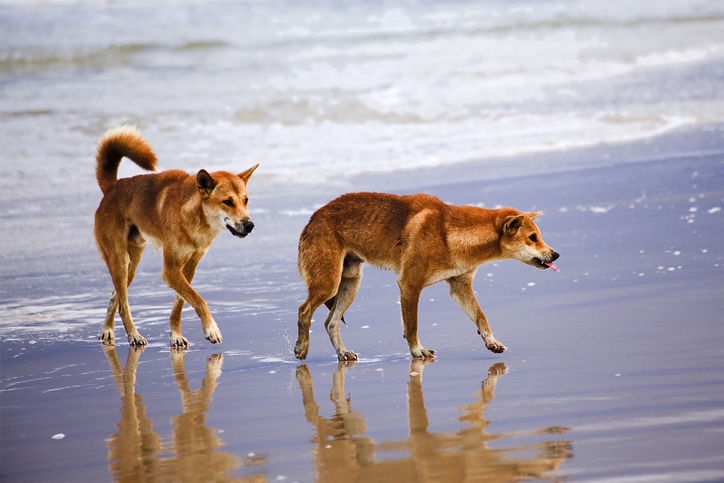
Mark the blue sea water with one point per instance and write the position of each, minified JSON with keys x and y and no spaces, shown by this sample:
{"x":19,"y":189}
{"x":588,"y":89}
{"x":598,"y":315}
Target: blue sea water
{"x":320,"y":89}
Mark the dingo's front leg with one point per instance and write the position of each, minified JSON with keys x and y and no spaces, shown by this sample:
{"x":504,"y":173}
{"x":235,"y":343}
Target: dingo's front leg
{"x":178,"y":340}
{"x":461,"y":291}
{"x":175,"y":279}
{"x":409,"y":299}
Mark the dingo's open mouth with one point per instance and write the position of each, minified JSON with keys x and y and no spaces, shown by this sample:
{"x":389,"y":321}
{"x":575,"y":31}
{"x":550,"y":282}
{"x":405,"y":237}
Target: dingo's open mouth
{"x":190,"y":222}
{"x":545,"y":265}
{"x":246,"y":228}
{"x":233,"y":231}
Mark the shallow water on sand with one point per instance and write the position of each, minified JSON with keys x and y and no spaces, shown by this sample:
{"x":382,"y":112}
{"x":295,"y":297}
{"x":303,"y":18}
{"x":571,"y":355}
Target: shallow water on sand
{"x":615,"y":364}
{"x":613,"y":372}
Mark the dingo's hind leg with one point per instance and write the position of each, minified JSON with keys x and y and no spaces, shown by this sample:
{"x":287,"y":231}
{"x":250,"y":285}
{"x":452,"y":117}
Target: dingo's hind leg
{"x":321,"y":268}
{"x":348,"y":286}
{"x":306,"y":310}
{"x":134,"y":249}
{"x":120,"y":281}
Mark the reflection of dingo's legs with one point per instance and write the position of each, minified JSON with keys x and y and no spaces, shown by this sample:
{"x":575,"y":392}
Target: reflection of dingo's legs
{"x":195,"y":443}
{"x":196,"y":401}
{"x":134,"y":449}
{"x":344,"y":454}
{"x":134,"y":452}
{"x":341,"y":450}
{"x":496,"y":370}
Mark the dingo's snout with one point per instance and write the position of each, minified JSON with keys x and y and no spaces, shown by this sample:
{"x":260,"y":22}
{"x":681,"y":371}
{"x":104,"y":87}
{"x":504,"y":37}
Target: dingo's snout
{"x":241,"y":229}
{"x":546,"y":261}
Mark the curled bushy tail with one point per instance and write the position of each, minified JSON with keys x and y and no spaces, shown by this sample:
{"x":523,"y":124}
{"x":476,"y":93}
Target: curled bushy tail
{"x":113,"y":146}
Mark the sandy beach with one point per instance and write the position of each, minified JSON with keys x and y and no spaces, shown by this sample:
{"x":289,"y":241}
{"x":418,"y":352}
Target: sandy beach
{"x":606,"y":116}
{"x":614,"y":369}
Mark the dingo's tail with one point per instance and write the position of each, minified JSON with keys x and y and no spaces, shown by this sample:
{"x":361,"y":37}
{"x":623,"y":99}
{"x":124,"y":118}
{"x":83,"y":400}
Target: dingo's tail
{"x":113,"y":146}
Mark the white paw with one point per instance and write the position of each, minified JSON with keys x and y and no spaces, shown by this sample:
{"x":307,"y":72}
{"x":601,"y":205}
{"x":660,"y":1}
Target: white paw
{"x":137,"y":339}
{"x":107,"y":337}
{"x":420,"y":352}
{"x":212,"y":333}
{"x":492,"y":344}
{"x":347,"y":356}
{"x":301,"y":349}
{"x":177,"y":340}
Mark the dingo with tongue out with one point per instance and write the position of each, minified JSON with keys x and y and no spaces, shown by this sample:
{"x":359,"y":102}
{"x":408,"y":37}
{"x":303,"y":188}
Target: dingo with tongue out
{"x":420,"y":238}
{"x":522,"y":240}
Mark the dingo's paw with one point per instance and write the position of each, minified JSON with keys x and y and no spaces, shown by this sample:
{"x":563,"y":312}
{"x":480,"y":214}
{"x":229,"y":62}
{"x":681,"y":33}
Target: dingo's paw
{"x":300,"y":349}
{"x":492,"y":344}
{"x":177,"y":340}
{"x":212,"y":333}
{"x":498,"y":348}
{"x":137,"y":339}
{"x":347,"y":356}
{"x":422,"y":353}
{"x":107,"y":337}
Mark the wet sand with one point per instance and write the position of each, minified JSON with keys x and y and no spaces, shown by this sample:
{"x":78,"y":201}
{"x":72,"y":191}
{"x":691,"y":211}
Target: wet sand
{"x":614,"y":369}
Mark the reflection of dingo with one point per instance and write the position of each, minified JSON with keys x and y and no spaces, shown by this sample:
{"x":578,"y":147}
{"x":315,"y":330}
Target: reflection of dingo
{"x":178,"y":213}
{"x":420,"y":238}
{"x":137,"y":453}
{"x":345,"y":453}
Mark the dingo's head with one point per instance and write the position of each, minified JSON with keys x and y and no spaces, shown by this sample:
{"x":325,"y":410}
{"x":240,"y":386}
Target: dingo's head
{"x":224,"y":200}
{"x":521,"y":240}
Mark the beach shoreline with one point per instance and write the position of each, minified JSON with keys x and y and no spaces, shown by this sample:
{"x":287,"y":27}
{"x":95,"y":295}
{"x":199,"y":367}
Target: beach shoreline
{"x":620,"y":350}
{"x":614,"y":367}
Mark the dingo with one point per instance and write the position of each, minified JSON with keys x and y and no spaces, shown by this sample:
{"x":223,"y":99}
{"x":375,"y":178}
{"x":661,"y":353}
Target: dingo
{"x":178,"y":213}
{"x":421,"y":239}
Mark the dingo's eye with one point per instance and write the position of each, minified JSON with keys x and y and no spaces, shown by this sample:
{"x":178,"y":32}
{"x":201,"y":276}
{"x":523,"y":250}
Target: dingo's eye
{"x":533,"y":238}
{"x":246,"y":201}
{"x":229,"y":202}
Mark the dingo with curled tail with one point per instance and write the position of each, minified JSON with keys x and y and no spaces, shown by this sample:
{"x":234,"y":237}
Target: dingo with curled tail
{"x":421,"y":239}
{"x":180,"y":214}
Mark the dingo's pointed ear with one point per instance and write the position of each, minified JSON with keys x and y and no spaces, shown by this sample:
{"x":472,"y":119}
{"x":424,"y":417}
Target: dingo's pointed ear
{"x":511,"y":224}
{"x":204,"y":182}
{"x":533,"y":216}
{"x":247,"y":174}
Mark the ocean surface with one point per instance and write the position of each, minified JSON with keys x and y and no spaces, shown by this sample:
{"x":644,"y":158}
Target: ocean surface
{"x":321,"y":89}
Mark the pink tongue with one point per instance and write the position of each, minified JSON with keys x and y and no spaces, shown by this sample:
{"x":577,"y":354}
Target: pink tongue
{"x":555,"y":269}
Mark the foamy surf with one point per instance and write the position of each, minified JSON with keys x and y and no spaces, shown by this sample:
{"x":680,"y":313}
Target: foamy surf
{"x":377,"y":147}
{"x":315,"y":92}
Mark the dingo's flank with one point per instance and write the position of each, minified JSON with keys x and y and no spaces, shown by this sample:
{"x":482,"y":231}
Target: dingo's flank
{"x":178,"y":213}
{"x":421,"y":239}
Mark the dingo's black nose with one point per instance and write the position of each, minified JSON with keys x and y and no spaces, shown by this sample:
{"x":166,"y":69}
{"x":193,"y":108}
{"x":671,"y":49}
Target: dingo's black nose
{"x":555,"y":256}
{"x":249,"y":225}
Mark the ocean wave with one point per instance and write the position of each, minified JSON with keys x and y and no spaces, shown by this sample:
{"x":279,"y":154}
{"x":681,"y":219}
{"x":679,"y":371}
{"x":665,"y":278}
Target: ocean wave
{"x":106,"y":57}
{"x":245,"y":27}
{"x":322,"y":88}
{"x":327,"y":150}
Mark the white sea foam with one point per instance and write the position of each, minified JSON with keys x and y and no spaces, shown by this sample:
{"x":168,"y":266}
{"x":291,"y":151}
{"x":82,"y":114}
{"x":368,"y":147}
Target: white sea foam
{"x":314,"y":92}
